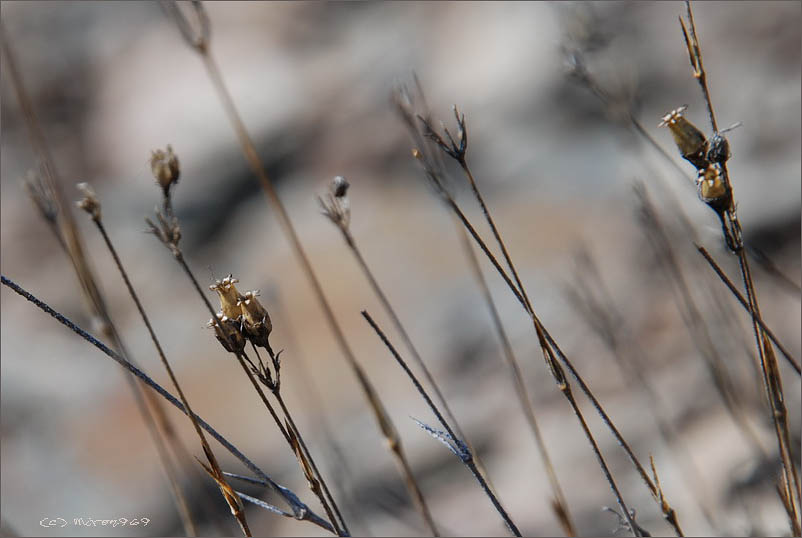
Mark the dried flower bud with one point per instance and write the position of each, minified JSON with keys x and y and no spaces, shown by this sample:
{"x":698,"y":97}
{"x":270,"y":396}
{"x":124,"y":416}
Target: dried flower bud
{"x":164,"y":165}
{"x":691,"y":142}
{"x":719,"y":151}
{"x":255,"y":319}
{"x":339,"y":186}
{"x":229,"y":296}
{"x":713,"y":190}
{"x":89,"y":203}
{"x":228,"y":334}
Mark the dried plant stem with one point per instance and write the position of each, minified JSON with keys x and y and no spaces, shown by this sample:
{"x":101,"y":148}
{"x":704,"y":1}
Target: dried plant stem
{"x":560,"y":506}
{"x":67,"y":234}
{"x":772,"y":381}
{"x":548,"y":345}
{"x":257,"y":167}
{"x":465,"y":454}
{"x":603,"y":318}
{"x":726,"y":280}
{"x":300,"y":510}
{"x":226,"y":490}
{"x":338,"y":525}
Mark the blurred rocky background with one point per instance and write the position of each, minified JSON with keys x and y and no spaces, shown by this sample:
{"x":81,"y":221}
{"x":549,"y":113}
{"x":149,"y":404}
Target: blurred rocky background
{"x":112,"y":81}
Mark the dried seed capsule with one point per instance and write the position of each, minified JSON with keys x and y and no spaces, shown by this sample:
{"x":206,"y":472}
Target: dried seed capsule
{"x":719,"y":151}
{"x":228,"y":334}
{"x":691,"y":142}
{"x":339,"y":186}
{"x":255,"y":319}
{"x":89,"y":202}
{"x":229,"y":296}
{"x":713,"y":190}
{"x":165,"y":168}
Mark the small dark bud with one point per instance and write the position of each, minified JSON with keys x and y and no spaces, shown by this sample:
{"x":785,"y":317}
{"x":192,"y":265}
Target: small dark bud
{"x":339,"y":186}
{"x":719,"y":151}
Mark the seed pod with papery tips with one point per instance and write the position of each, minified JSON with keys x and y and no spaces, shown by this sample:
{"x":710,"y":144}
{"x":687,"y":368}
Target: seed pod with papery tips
{"x":256,"y":322}
{"x":165,"y":168}
{"x":228,"y":334}
{"x":229,"y":296}
{"x":690,"y":140}
{"x":713,"y":189}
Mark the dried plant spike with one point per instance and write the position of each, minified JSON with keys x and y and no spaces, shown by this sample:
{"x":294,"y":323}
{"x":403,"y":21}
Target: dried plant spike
{"x":690,"y":140}
{"x":89,"y":202}
{"x":255,"y":319}
{"x":165,"y":168}
{"x":229,"y":296}
{"x":336,"y":205}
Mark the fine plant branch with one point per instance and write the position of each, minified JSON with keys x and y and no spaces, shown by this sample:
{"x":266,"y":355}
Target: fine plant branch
{"x":200,"y":43}
{"x":731,"y":286}
{"x":461,"y":448}
{"x":45,"y":190}
{"x":300,"y":511}
{"x":169,"y":234}
{"x":92,"y":206}
{"x":549,"y":346}
{"x":772,"y":381}
{"x":560,"y":505}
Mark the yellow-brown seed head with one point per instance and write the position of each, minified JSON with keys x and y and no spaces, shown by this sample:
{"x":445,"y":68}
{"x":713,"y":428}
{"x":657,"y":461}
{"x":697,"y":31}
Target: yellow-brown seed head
{"x":711,"y":183}
{"x":228,"y":334}
{"x":165,"y":168}
{"x":229,"y":296}
{"x":253,"y":313}
{"x":690,"y":140}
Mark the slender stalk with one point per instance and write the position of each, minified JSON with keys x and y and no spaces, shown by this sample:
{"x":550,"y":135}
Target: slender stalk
{"x":772,"y":382}
{"x":465,"y":454}
{"x":560,"y":504}
{"x":301,"y":512}
{"x":227,"y":491}
{"x":200,"y":44}
{"x":726,"y":280}
{"x":62,"y":224}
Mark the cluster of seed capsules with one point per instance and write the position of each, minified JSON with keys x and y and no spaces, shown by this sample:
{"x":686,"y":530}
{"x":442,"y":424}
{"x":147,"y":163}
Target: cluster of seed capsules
{"x":242,"y":317}
{"x":707,"y":155}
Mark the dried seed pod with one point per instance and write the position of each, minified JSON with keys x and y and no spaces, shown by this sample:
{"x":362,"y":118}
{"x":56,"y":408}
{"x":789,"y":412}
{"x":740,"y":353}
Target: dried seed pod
{"x":229,"y":296}
{"x":691,"y":142}
{"x":228,"y":334}
{"x":89,"y":202}
{"x":165,"y":168}
{"x":255,"y":320}
{"x":719,"y":151}
{"x":339,"y":186}
{"x":713,"y":189}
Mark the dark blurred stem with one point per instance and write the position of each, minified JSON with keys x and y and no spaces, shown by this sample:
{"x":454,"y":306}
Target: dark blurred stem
{"x":465,"y":454}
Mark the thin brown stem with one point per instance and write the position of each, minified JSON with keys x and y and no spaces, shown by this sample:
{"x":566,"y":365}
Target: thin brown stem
{"x":726,"y":280}
{"x":62,"y":224}
{"x":560,"y":504}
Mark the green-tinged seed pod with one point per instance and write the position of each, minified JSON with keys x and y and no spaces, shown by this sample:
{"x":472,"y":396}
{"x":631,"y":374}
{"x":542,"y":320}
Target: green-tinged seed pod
{"x":165,"y":168}
{"x":691,"y":142}
{"x":713,"y":189}
{"x":229,"y":335}
{"x":255,"y":319}
{"x":229,"y":296}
